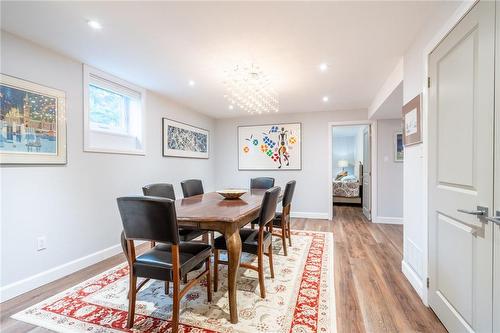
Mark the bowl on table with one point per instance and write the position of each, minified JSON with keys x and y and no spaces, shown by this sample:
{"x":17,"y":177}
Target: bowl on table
{"x":232,"y":194}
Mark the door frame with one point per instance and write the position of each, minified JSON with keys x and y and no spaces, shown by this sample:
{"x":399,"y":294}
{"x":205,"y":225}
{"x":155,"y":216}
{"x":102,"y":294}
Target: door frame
{"x":373,"y":153}
{"x":460,"y":12}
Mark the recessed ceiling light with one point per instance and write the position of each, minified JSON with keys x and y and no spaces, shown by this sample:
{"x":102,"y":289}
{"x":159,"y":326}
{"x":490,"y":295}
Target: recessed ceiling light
{"x":94,"y":25}
{"x":323,"y":67}
{"x":191,"y":83}
{"x":325,"y":99}
{"x":231,"y":107}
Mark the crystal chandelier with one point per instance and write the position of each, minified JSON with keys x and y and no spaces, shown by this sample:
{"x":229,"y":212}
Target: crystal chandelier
{"x":248,"y":88}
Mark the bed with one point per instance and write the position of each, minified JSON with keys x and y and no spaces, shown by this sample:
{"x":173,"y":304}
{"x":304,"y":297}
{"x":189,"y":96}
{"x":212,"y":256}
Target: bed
{"x":348,"y":189}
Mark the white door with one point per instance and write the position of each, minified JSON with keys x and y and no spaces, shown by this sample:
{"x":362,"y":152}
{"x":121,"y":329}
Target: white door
{"x":366,"y":173}
{"x":461,"y":110}
{"x":496,"y":227}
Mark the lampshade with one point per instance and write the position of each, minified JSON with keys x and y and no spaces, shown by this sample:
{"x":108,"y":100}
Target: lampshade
{"x":343,"y":163}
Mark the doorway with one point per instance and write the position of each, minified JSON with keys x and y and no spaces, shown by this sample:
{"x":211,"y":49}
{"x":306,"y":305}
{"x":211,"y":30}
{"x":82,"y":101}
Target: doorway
{"x":350,"y":167}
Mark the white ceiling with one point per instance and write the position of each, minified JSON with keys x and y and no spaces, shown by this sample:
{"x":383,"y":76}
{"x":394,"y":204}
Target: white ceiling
{"x":163,"y":45}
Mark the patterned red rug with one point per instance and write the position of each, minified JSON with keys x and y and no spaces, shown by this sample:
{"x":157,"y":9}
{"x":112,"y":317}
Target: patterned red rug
{"x":299,"y":299}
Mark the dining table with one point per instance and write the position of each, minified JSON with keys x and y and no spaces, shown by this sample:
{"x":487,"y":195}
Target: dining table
{"x":211,"y":211}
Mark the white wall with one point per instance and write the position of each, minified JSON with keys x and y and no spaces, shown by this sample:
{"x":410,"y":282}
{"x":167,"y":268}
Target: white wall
{"x":312,"y":192}
{"x":74,"y":205}
{"x":414,"y":173}
{"x":344,"y":148}
{"x":389,"y":174}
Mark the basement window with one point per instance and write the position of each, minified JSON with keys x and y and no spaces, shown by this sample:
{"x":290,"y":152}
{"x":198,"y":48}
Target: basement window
{"x":113,"y":114}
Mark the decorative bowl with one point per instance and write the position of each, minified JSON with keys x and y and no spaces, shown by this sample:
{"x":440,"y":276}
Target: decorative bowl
{"x":231,"y":194}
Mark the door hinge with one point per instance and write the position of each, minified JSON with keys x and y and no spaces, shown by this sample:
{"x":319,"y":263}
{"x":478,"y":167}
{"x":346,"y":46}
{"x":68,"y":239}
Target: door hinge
{"x":428,"y":82}
{"x":428,"y":283}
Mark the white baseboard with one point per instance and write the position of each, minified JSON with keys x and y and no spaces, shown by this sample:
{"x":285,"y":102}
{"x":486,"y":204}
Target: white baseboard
{"x":310,"y":215}
{"x":20,"y":287}
{"x":389,"y":220}
{"x":413,"y":278}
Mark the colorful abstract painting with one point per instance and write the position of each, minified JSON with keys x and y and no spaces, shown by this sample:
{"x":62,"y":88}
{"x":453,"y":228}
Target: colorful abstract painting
{"x":270,"y":147}
{"x":182,"y":140}
{"x":32,"y":128}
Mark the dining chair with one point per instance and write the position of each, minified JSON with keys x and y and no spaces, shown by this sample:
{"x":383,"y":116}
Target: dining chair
{"x":191,"y":187}
{"x":164,"y":190}
{"x":263,"y":183}
{"x":254,"y":241}
{"x":282,"y":220}
{"x":155,"y":219}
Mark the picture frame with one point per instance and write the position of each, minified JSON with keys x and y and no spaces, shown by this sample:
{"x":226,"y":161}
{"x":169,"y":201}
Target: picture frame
{"x":398,"y":147}
{"x":270,"y":147}
{"x":412,"y":121}
{"x":32,"y":123}
{"x":184,"y":140}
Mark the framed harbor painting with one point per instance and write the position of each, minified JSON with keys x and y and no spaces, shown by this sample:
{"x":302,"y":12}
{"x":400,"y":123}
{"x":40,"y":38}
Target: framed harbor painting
{"x":270,"y":147}
{"x":32,"y":123}
{"x":183,"y":140}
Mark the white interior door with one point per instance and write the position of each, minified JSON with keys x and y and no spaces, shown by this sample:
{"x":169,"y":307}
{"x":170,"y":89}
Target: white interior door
{"x":461,"y":116}
{"x":496,"y":228}
{"x":366,"y":173}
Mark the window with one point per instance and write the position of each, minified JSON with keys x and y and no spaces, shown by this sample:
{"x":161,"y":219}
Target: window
{"x":114,"y":114}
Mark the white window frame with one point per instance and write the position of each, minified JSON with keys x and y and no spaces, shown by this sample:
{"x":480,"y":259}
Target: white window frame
{"x":91,"y":74}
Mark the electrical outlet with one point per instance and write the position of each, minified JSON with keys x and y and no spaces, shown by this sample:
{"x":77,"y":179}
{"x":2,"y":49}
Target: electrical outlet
{"x":41,"y":243}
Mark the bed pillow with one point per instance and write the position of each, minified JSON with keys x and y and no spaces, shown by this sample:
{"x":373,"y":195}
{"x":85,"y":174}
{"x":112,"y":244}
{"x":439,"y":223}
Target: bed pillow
{"x":349,"y":179}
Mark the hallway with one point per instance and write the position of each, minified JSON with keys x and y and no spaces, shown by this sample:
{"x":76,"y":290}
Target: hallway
{"x":371,"y":292}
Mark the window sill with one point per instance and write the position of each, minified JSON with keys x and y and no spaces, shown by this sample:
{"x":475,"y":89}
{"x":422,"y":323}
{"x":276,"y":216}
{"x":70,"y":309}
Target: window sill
{"x":110,"y":133}
{"x":114,"y":151}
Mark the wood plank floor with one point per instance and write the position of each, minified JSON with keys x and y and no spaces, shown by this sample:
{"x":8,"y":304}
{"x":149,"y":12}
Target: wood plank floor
{"x":372,"y":295}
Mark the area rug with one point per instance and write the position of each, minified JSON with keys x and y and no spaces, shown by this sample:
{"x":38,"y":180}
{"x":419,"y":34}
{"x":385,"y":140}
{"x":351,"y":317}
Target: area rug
{"x":299,"y":299}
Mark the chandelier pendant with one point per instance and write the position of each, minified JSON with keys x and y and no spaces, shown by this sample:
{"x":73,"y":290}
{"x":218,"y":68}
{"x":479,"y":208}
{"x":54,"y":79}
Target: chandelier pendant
{"x":248,"y":88}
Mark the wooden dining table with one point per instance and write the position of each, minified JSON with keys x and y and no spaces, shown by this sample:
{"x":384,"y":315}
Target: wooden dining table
{"x":210,"y":211}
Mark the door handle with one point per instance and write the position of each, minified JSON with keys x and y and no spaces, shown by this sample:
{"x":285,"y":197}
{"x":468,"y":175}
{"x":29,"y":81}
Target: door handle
{"x":495,"y":219}
{"x":480,"y":211}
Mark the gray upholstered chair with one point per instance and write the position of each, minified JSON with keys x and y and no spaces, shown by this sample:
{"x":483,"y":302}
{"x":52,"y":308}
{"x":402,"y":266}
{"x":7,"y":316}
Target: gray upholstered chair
{"x":154,"y":219}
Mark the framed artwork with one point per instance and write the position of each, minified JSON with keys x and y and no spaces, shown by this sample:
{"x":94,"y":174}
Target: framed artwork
{"x":398,"y":147}
{"x":270,"y":147}
{"x":412,"y":122}
{"x":32,"y":123}
{"x":183,"y":140}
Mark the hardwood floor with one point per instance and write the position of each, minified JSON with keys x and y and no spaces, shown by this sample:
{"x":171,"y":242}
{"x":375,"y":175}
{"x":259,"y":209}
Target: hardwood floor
{"x":372,"y":294}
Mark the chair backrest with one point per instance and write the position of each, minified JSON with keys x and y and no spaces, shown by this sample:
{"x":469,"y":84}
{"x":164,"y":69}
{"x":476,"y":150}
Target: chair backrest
{"x":263,"y":183}
{"x":159,"y":190}
{"x":192,"y":187}
{"x":149,"y":218}
{"x":288,"y":195}
{"x":268,"y":207}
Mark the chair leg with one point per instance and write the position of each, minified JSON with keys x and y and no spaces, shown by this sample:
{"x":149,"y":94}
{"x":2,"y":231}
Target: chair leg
{"x":131,"y":300}
{"x":261,"y":274}
{"x":209,"y":288}
{"x":283,"y":239}
{"x":176,"y":306}
{"x":289,"y":234}
{"x":185,"y":279}
{"x":252,"y":226}
{"x":216,"y":269}
{"x":212,"y":237}
{"x":167,"y":287}
{"x":271,"y":266}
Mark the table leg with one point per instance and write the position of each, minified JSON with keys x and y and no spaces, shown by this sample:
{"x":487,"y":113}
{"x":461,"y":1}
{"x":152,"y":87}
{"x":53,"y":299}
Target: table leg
{"x":233,"y":243}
